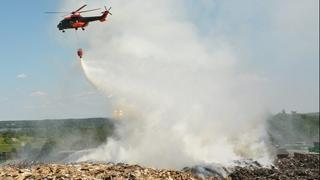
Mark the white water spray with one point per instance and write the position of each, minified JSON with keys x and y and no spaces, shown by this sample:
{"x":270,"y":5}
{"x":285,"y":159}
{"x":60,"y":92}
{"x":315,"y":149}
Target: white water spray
{"x":184,"y":100}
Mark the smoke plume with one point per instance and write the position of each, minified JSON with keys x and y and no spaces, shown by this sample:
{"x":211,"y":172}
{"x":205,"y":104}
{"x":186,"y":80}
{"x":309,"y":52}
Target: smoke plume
{"x":184,"y":99}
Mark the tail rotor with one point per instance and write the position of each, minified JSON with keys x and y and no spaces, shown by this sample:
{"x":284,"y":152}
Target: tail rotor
{"x":107,"y":10}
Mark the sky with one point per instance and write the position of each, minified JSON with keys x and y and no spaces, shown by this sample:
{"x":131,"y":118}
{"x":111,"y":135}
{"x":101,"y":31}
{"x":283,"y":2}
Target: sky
{"x":41,"y":78}
{"x":40,"y":75}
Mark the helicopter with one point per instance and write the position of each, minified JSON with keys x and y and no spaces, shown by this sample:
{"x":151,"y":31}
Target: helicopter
{"x":76,"y":21}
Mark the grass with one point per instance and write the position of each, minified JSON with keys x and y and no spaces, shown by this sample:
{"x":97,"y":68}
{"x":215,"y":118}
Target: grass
{"x":5,"y":148}
{"x":32,"y":141}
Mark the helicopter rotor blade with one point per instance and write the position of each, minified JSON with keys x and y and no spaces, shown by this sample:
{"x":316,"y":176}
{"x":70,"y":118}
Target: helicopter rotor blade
{"x":109,"y":10}
{"x":55,"y":12}
{"x":79,"y":9}
{"x":89,"y":10}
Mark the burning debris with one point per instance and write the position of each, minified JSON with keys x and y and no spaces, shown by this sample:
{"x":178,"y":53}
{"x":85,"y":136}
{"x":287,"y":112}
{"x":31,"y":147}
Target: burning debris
{"x":213,"y":171}
{"x":300,"y":166}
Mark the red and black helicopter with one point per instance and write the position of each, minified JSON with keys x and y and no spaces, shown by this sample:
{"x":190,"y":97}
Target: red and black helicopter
{"x":75,"y":20}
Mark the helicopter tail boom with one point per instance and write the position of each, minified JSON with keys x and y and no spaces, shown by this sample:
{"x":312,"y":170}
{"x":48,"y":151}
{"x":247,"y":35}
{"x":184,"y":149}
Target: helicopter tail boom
{"x":105,"y":14}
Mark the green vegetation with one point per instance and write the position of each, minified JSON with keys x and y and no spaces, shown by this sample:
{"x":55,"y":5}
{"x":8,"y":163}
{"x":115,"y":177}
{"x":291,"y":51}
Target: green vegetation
{"x":6,"y":148}
{"x":294,"y":129}
{"x":314,"y":149}
{"x":40,"y":139}
{"x":54,"y":139}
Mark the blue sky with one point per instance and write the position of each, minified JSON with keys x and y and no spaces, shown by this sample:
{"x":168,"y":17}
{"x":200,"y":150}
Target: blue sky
{"x":40,"y":77}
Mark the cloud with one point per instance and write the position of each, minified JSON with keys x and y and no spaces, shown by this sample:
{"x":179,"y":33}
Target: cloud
{"x":85,"y":94}
{"x":38,"y":94}
{"x":22,"y":76}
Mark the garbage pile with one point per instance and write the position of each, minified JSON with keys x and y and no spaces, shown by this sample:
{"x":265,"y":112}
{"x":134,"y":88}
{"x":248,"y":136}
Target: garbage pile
{"x":299,"y":166}
{"x":90,"y":171}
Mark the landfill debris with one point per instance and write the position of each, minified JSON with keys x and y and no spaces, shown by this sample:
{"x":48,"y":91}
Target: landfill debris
{"x":90,"y":171}
{"x":298,"y":166}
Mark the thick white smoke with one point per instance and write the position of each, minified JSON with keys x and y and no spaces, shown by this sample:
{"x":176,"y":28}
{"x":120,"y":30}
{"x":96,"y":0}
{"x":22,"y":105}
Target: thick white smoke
{"x":184,"y":100}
